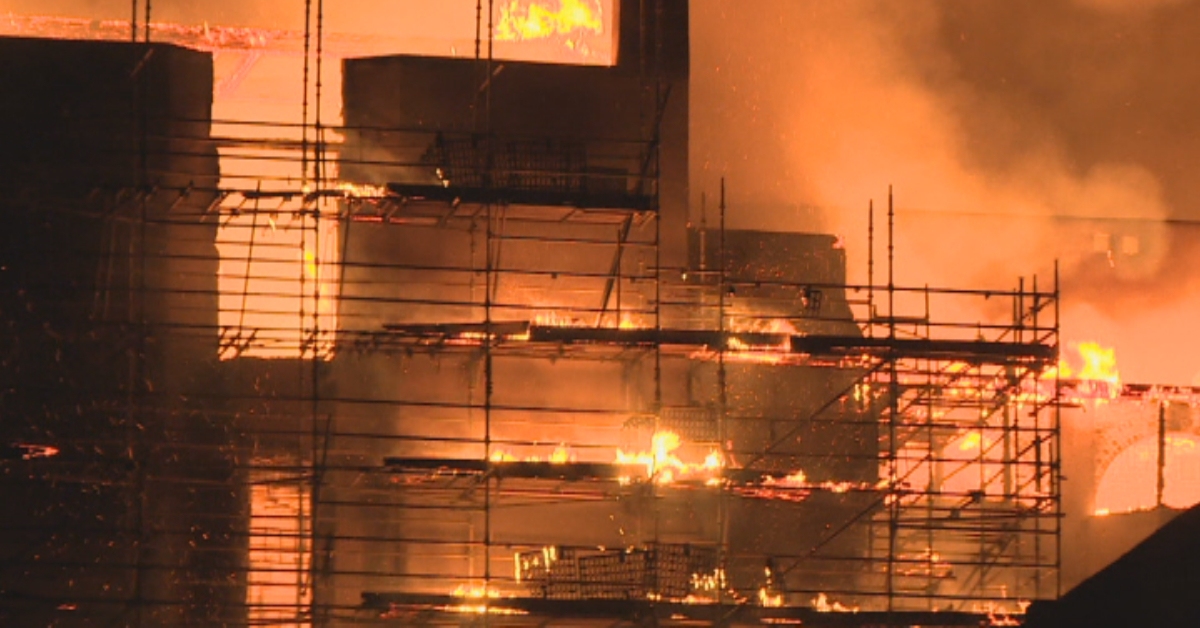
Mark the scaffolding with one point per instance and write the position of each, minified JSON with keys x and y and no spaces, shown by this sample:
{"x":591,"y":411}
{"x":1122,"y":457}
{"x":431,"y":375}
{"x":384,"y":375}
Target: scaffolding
{"x":962,"y":514}
{"x":478,"y":394}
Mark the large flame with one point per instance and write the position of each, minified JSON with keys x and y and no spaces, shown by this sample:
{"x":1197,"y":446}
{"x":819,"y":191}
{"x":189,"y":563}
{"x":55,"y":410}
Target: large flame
{"x":1099,"y":363}
{"x":1088,"y":361}
{"x":524,"y":20}
{"x":663,"y":466}
{"x":1094,"y":366}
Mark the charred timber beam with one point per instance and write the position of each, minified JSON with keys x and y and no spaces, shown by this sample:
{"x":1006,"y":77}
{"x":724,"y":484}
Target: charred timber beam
{"x":397,"y":603}
{"x":978,"y":351}
{"x":503,"y":196}
{"x":460,"y":329}
{"x":608,"y":335}
{"x":967,"y":350}
{"x":511,"y":469}
{"x":572,"y":471}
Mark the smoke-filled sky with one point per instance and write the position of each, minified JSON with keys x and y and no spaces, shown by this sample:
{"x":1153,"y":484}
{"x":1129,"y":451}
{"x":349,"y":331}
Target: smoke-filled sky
{"x":1015,"y":133}
{"x":1005,"y":126}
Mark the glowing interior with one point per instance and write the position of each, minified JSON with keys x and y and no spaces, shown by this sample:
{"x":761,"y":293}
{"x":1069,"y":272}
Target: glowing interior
{"x":1130,"y":482}
{"x":279,"y":554}
{"x":277,"y":282}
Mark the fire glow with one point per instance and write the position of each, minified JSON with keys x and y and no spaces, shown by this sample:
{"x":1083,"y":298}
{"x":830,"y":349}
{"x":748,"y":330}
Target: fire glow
{"x":822,"y":604}
{"x":560,"y":455}
{"x":570,"y":21}
{"x":796,"y":487}
{"x":478,"y":602}
{"x":663,"y":466}
{"x":1093,"y":366}
{"x":1129,"y":483}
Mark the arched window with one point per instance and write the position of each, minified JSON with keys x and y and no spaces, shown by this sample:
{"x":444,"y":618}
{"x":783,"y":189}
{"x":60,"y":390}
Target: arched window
{"x":1131,"y":480}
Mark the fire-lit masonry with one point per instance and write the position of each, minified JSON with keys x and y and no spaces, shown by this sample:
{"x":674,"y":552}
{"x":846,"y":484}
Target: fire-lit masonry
{"x":435,"y":339}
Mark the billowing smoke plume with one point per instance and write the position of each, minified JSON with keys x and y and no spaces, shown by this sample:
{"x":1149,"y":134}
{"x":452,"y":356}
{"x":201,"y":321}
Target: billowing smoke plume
{"x":1015,"y":134}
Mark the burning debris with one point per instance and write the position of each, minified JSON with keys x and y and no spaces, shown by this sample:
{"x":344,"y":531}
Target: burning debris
{"x":27,"y":451}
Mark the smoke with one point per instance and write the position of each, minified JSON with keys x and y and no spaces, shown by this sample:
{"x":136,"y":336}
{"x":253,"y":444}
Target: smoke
{"x":1126,"y":5}
{"x":1014,"y":134}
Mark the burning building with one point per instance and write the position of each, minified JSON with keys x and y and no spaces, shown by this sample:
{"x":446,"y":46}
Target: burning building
{"x":460,"y":355}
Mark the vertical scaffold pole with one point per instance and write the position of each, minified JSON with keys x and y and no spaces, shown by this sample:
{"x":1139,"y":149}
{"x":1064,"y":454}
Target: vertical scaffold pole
{"x":893,"y":412}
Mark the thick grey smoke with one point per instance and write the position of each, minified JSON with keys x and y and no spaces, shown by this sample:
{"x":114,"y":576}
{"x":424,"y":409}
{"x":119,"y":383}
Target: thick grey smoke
{"x":1015,"y":134}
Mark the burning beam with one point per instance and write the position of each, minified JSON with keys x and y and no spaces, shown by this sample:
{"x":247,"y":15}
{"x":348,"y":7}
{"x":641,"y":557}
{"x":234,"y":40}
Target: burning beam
{"x":398,"y":605}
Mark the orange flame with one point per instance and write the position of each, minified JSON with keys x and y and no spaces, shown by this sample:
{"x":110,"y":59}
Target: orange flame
{"x":663,"y":466}
{"x":523,"y":20}
{"x":764,"y":326}
{"x":1099,"y":363}
{"x":769,"y":598}
{"x":477,"y":601}
{"x":556,"y":319}
{"x":822,"y":604}
{"x":361,"y":190}
{"x":1094,"y":365}
{"x":475,"y":592}
{"x":560,"y":455}
{"x":741,"y":351}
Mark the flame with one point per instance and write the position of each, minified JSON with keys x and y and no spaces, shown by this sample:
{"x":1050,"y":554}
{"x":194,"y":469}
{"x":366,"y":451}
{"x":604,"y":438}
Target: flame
{"x":502,"y":456}
{"x":310,"y":265}
{"x":714,"y":581}
{"x":926,"y":563}
{"x":482,"y":609}
{"x":544,"y":560}
{"x":1099,"y":363}
{"x":551,"y":318}
{"x":29,"y":451}
{"x":1094,"y":366}
{"x":475,"y":592}
{"x":763,"y":326}
{"x":970,"y":442}
{"x":780,"y":326}
{"x":561,"y":455}
{"x":794,"y":480}
{"x":523,"y":20}
{"x":970,"y":456}
{"x":555,"y":319}
{"x":769,"y":599}
{"x":663,"y":466}
{"x":999,"y":614}
{"x":479,"y":601}
{"x":361,"y":190}
{"x":796,"y":487}
{"x":822,"y":605}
